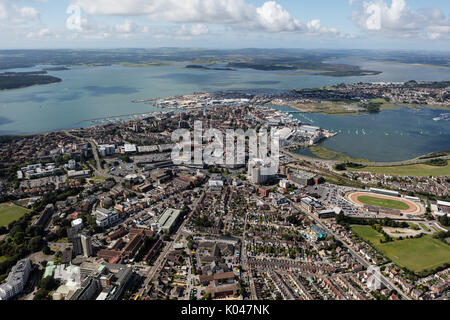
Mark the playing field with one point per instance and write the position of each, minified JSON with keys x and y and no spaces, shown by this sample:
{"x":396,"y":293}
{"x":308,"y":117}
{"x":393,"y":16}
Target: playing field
{"x":10,"y":212}
{"x":383,"y":203}
{"x":417,"y":255}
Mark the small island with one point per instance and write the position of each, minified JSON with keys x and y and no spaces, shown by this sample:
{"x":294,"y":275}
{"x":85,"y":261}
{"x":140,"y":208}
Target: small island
{"x":199,"y":66}
{"x":16,"y":80}
{"x":56,"y":69}
{"x":319,"y":68}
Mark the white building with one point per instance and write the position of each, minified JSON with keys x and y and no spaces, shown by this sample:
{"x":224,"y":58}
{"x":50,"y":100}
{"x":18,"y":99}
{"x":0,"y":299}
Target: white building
{"x":284,"y":135}
{"x":285,"y":184}
{"x":260,"y":171}
{"x":105,"y":218}
{"x":77,"y":223}
{"x":130,"y":148}
{"x":215,"y":183}
{"x":168,"y":219}
{"x":106,"y":149}
{"x":385,"y":192}
{"x":16,"y":280}
{"x":72,"y":174}
{"x":34,"y":171}
{"x":443,"y":208}
{"x":72,"y":164}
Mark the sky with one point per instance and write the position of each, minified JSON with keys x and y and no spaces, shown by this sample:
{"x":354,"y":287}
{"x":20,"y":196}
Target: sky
{"x":337,"y":24}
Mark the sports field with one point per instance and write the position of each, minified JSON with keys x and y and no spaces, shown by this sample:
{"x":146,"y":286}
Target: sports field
{"x":383,"y":203}
{"x":405,"y":206}
{"x":10,"y":212}
{"x":417,"y":255}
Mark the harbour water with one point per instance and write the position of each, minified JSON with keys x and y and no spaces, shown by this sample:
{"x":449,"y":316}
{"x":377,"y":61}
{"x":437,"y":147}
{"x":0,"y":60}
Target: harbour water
{"x":100,"y":92}
{"x":391,"y":135}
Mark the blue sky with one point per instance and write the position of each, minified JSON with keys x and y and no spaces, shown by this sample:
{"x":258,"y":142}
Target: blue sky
{"x":355,"y":24}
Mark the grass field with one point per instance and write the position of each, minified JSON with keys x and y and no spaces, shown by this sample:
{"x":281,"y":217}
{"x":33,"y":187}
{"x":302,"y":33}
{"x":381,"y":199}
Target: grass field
{"x":384,"y":203}
{"x":421,"y":170}
{"x":416,"y":255}
{"x":324,"y":153}
{"x":10,"y":212}
{"x":97,"y":179}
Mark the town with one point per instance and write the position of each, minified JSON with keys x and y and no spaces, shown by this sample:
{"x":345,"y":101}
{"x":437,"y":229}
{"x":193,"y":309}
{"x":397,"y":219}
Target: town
{"x":103,"y":213}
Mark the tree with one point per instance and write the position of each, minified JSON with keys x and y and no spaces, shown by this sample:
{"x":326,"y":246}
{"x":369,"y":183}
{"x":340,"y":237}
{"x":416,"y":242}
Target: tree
{"x":48,"y":283}
{"x":19,"y":237}
{"x":35,"y":244}
{"x":444,"y":220}
{"x":42,"y":294}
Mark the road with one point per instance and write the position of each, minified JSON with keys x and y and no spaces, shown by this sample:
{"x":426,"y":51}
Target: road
{"x":162,"y":257}
{"x":98,"y":167}
{"x":244,"y":261}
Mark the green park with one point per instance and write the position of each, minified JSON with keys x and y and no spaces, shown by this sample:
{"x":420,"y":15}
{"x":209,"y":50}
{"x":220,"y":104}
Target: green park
{"x":417,"y":254}
{"x":10,"y":212}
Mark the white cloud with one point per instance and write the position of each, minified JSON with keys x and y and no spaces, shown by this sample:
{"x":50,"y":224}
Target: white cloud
{"x":400,"y":20}
{"x":14,"y":14}
{"x":199,"y":30}
{"x":186,"y":33}
{"x":220,"y":11}
{"x":28,"y":13}
{"x":127,"y":27}
{"x":3,"y":13}
{"x":40,"y":34}
{"x":270,"y":17}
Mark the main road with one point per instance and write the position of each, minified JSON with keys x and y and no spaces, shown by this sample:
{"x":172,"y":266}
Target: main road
{"x":98,"y":167}
{"x":162,"y":257}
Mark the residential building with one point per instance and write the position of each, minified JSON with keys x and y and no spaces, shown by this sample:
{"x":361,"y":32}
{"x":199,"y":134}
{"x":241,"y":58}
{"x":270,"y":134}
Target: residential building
{"x":16,"y":280}
{"x":86,"y":243}
{"x":105,"y":217}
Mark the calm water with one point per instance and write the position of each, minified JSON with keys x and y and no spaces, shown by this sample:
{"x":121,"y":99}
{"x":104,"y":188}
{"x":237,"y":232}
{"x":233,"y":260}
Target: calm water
{"x":97,"y":92}
{"x":391,"y":135}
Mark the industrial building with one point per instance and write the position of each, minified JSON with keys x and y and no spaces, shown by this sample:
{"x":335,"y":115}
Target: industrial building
{"x":304,"y":178}
{"x":168,"y":220}
{"x":130,"y":148}
{"x":328,"y":213}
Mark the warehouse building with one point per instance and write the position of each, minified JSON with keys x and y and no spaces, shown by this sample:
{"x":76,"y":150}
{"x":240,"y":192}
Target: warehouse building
{"x":168,"y":220}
